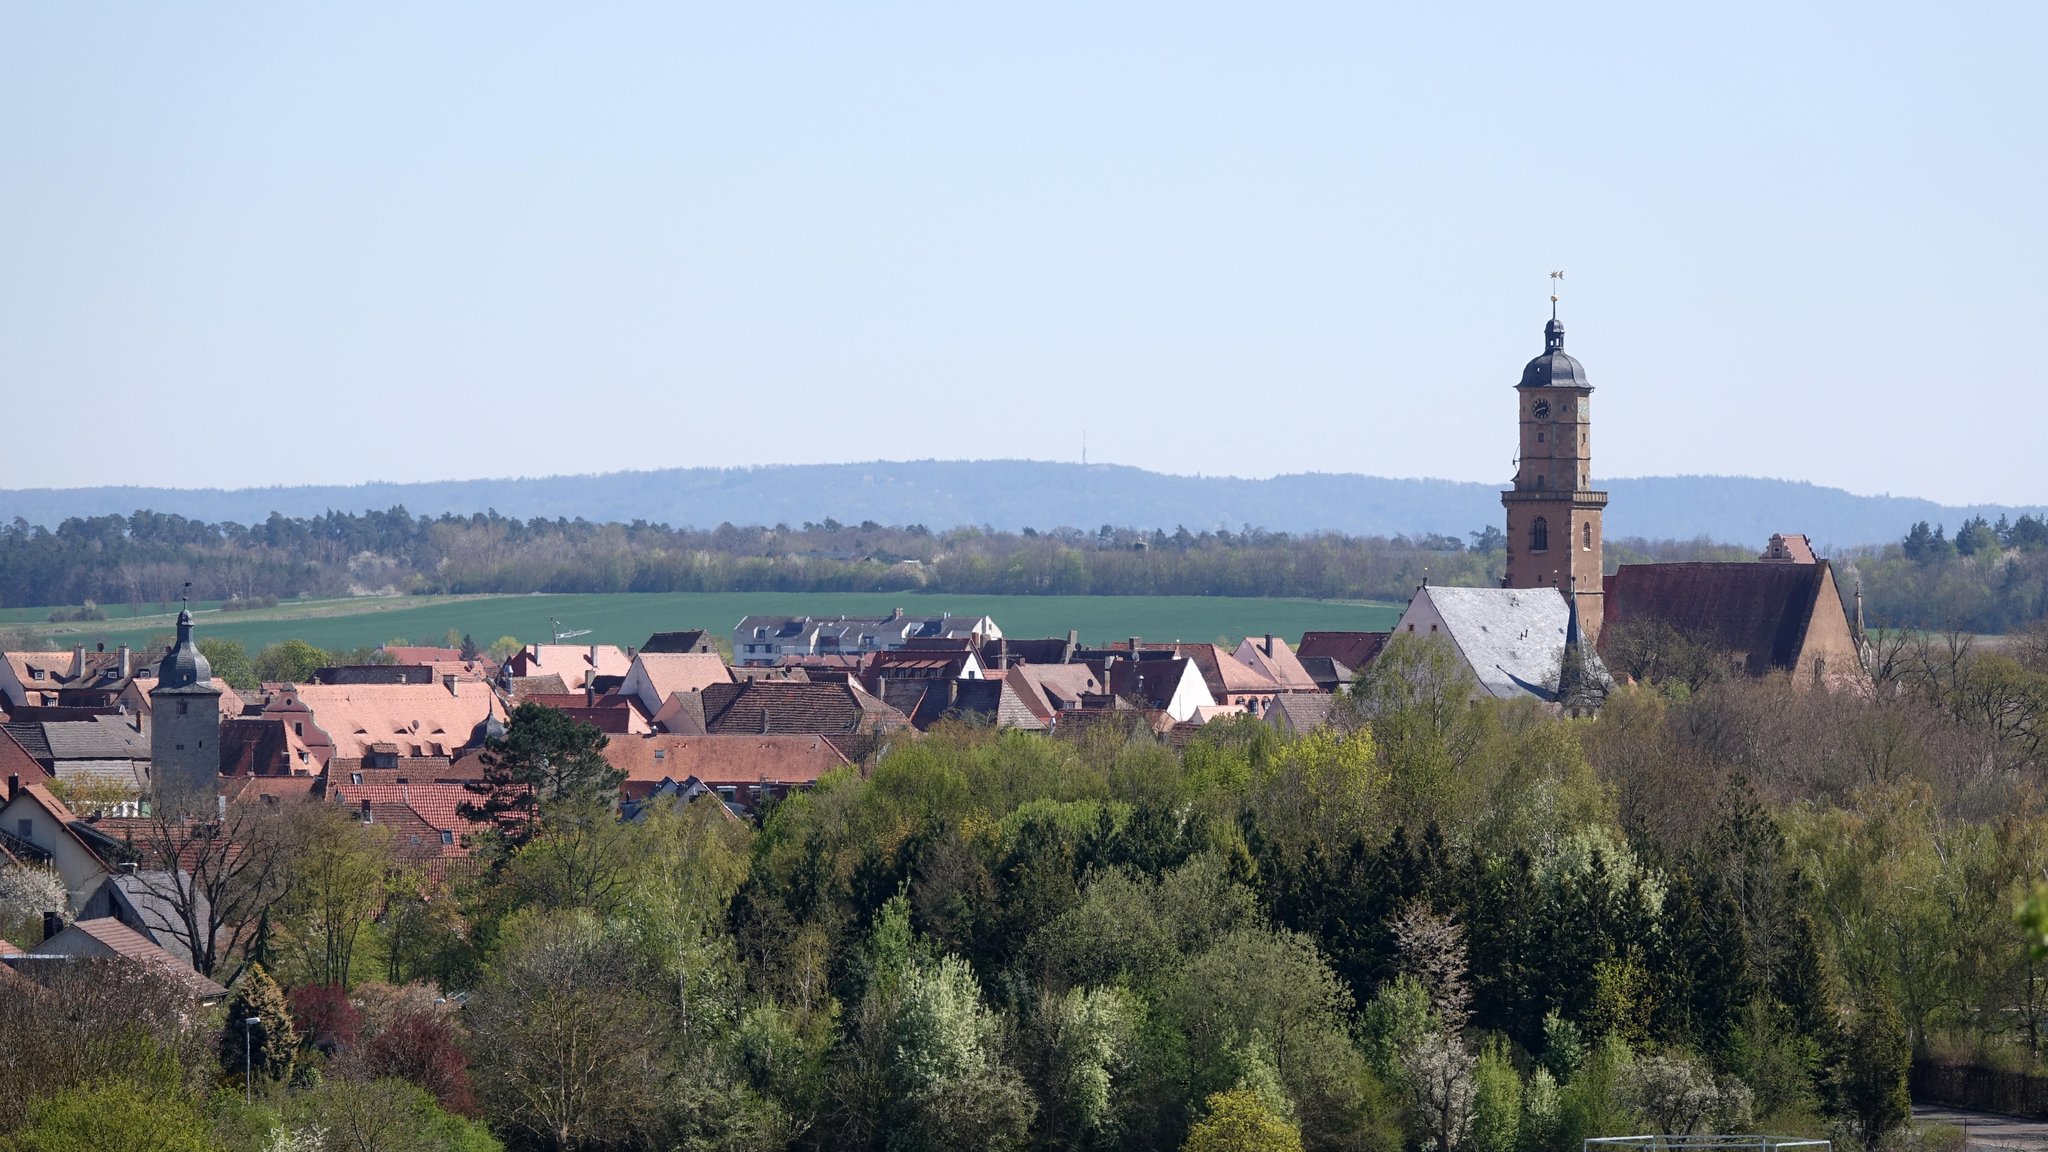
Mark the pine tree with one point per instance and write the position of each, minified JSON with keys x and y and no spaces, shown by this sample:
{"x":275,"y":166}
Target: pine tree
{"x":272,"y":1045}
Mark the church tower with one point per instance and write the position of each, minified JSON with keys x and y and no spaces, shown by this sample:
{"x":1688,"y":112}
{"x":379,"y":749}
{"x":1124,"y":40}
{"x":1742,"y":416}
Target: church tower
{"x":1553,"y":512}
{"x":184,"y":729}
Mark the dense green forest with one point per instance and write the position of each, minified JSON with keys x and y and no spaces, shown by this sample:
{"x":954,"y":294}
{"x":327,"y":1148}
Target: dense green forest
{"x":1723,"y":904}
{"x":1988,"y":578}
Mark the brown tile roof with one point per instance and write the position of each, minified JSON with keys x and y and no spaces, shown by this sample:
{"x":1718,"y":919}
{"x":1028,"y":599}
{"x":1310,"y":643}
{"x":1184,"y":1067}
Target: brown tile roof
{"x":574,"y":663}
{"x":672,"y":672}
{"x":422,"y":719}
{"x":120,"y":940}
{"x":1060,"y":685}
{"x":523,"y":687}
{"x":1758,"y":611}
{"x":767,"y":706}
{"x":1224,"y":674}
{"x":1271,"y":657}
{"x":263,"y":745}
{"x":1351,"y":649}
{"x":715,"y":760}
{"x":422,"y":654}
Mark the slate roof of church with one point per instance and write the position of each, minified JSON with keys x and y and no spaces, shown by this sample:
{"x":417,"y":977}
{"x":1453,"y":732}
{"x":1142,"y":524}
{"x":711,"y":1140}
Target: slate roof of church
{"x":1760,"y":611}
{"x":1512,"y":637}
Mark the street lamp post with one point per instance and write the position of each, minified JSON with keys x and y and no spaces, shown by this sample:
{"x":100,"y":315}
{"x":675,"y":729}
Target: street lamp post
{"x":249,"y":1058}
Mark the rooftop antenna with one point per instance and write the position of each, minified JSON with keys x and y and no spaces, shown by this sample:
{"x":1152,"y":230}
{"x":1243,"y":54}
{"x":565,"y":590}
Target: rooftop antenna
{"x":1557,"y":280}
{"x":561,"y":634}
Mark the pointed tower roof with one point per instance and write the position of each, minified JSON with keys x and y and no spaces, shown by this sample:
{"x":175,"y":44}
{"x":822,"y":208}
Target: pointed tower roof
{"x":184,"y":668}
{"x":1554,"y":369}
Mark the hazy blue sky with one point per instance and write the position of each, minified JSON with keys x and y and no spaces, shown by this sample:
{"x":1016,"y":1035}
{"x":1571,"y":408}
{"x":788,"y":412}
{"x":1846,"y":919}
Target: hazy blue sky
{"x":440,"y":240}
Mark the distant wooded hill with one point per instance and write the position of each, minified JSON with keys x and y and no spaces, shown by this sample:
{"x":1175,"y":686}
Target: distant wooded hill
{"x":1016,"y":494}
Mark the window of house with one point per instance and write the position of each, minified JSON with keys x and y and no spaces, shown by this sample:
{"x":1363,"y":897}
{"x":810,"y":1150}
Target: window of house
{"x":1539,"y":535}
{"x":26,"y":829}
{"x":1432,"y":627}
{"x":447,"y":837}
{"x":35,"y":673}
{"x":298,"y":728}
{"x":1586,"y":536}
{"x":1539,"y":437}
{"x":181,"y":747}
{"x":181,"y":707}
{"x":355,"y":777}
{"x":1539,"y":481}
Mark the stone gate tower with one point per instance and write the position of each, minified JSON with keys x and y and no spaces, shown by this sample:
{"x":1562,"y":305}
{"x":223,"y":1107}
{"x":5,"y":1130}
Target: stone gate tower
{"x":184,"y":729}
{"x":1553,"y":512}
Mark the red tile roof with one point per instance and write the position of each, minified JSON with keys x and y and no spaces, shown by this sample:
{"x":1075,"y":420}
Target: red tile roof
{"x":434,"y":803}
{"x":715,"y":760}
{"x":421,"y":719}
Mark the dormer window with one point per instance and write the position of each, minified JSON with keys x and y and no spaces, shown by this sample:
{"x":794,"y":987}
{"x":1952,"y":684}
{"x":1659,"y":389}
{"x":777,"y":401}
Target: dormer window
{"x":37,"y":674}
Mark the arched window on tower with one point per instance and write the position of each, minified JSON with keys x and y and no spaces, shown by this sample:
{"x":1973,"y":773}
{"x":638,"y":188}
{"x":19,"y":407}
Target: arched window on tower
{"x":1586,"y":536}
{"x":1539,"y":535}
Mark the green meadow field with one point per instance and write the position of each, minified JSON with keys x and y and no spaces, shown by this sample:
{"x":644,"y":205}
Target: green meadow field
{"x":629,"y":618}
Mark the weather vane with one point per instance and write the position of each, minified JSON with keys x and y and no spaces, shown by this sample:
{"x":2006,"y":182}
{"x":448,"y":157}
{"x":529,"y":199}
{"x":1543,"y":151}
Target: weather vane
{"x":1555,"y":277}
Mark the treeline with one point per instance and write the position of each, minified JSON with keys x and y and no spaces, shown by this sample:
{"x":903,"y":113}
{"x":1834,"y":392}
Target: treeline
{"x":1987,"y":578}
{"x":1730,"y":905}
{"x":146,"y":558}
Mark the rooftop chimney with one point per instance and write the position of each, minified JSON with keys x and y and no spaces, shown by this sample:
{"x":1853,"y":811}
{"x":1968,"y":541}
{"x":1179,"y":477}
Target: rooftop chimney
{"x":1134,"y":644}
{"x":449,"y":682}
{"x":1269,"y":643}
{"x":127,"y":666}
{"x":78,"y":659}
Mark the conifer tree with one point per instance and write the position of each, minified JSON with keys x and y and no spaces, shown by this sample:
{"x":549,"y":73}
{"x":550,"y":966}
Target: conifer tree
{"x":272,"y":1045}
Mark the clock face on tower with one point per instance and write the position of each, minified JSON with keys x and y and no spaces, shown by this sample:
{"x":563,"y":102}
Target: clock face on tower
{"x":1542,"y":410}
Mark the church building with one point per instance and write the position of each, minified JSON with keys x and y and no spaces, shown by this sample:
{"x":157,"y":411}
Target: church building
{"x":1553,"y":512}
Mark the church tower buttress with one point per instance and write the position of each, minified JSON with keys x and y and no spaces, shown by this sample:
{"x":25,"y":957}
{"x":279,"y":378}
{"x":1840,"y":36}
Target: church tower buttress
{"x":1553,"y":513}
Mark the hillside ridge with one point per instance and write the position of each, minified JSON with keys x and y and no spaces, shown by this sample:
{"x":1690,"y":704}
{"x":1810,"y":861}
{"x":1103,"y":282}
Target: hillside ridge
{"x":1014,"y":494}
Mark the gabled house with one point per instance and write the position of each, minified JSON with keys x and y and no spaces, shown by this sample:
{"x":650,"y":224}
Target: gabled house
{"x":1174,"y":686}
{"x":1354,"y":650}
{"x":655,"y":676}
{"x":694,"y":640}
{"x":919,"y":664}
{"x":766,"y":707}
{"x":1272,"y":658}
{"x":37,"y":828}
{"x":581,"y":666}
{"x":106,"y":938}
{"x":769,"y":639}
{"x":409,"y":720}
{"x":423,"y":818}
{"x":146,"y":900}
{"x":994,"y":702}
{"x":743,"y":769}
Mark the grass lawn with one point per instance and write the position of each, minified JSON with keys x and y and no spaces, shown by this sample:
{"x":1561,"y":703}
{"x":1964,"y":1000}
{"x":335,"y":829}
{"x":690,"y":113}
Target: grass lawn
{"x":629,"y":618}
